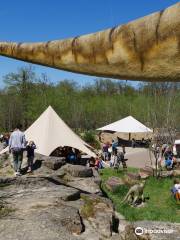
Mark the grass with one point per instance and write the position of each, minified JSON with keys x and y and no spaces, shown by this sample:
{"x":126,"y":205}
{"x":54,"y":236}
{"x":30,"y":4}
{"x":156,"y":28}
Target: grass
{"x":5,"y":211}
{"x":3,"y":185}
{"x":6,"y":171}
{"x":160,"y":206}
{"x":88,"y":210}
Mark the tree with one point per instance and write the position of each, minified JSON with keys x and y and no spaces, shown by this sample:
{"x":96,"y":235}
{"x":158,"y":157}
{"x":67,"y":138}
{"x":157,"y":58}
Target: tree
{"x":18,"y":88}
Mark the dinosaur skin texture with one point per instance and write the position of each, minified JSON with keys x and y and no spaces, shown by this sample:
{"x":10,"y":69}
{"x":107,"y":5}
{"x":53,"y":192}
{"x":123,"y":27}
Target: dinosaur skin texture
{"x":147,"y":49}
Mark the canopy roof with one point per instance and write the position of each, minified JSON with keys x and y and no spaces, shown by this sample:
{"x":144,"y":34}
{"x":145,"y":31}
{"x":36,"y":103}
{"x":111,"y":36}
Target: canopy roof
{"x":126,"y":125}
{"x":177,"y":141}
{"x":49,"y":132}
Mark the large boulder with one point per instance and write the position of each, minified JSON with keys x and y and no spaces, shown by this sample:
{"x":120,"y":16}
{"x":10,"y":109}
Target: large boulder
{"x":35,"y":210}
{"x":148,"y":170}
{"x":98,"y":213}
{"x":166,"y":174}
{"x":97,"y":178}
{"x":54,"y":163}
{"x":87,"y":185}
{"x":78,"y":170}
{"x":113,"y":183}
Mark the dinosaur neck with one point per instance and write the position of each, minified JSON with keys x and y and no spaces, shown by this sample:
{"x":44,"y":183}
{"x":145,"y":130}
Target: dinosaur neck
{"x":145,"y":49}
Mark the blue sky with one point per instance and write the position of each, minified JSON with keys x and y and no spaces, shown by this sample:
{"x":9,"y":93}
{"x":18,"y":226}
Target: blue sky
{"x":43,"y":20}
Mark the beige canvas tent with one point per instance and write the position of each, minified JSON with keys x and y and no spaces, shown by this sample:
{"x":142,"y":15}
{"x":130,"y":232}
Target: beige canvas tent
{"x":49,"y":131}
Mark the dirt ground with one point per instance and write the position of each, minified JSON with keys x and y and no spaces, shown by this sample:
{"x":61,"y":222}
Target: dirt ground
{"x":138,"y":157}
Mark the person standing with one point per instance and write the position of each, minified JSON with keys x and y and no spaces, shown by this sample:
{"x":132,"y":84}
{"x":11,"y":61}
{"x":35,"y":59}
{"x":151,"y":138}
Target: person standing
{"x":114,"y":146}
{"x":105,"y":151}
{"x":30,"y":155}
{"x":133,"y":143}
{"x":17,"y":144}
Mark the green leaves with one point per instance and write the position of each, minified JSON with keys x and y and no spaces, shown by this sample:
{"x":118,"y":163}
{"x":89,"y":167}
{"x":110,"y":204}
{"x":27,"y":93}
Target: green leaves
{"x":103,"y":101}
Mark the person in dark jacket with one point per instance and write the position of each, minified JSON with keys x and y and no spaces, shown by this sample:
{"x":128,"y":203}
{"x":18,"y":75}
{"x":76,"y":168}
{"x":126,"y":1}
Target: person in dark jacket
{"x":30,"y":155}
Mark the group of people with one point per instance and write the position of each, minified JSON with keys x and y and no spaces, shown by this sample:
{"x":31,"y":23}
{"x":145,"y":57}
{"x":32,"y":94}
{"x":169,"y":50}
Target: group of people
{"x":168,"y":156}
{"x":112,"y":153}
{"x":72,"y":155}
{"x":96,"y":163}
{"x":165,"y":156}
{"x":4,"y":138}
{"x":17,"y":145}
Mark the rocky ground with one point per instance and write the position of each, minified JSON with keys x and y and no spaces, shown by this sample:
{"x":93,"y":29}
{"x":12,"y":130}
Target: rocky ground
{"x":61,"y":201}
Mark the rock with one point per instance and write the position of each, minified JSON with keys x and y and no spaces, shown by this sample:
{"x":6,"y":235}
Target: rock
{"x":129,"y":234}
{"x":176,"y":173}
{"x":4,"y":157}
{"x":129,"y":181}
{"x":71,"y":220}
{"x":143,"y":175}
{"x":78,"y":170}
{"x":166,"y":174}
{"x":173,"y":228}
{"x":7,"y":180}
{"x":97,"y":178}
{"x":147,"y":170}
{"x":99,"y":214}
{"x":85,"y":184}
{"x":122,"y":222}
{"x":54,"y":163}
{"x":39,"y":212}
{"x":134,"y":176}
{"x":113,"y":182}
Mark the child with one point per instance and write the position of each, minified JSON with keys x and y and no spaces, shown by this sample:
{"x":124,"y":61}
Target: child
{"x":72,"y":157}
{"x":97,"y":163}
{"x":30,"y":155}
{"x":176,"y":189}
{"x":168,"y":162}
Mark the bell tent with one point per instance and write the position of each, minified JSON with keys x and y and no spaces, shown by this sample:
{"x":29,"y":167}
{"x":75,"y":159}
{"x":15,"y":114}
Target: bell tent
{"x":49,"y":132}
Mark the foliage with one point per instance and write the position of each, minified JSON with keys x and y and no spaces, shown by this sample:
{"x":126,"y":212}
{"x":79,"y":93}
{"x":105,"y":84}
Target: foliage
{"x":160,"y":206}
{"x":90,"y":138}
{"x":88,"y":209}
{"x":26,"y":95}
{"x":5,"y":211}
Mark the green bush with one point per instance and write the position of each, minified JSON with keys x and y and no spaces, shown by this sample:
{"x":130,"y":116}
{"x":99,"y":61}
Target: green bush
{"x":90,"y":138}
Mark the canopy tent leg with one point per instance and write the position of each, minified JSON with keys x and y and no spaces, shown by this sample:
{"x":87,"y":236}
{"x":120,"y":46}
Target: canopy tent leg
{"x":129,"y":136}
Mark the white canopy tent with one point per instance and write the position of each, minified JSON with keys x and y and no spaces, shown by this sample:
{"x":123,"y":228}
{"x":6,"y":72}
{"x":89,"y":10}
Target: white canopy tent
{"x":126,"y":125}
{"x":49,"y":132}
{"x":177,"y":141}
